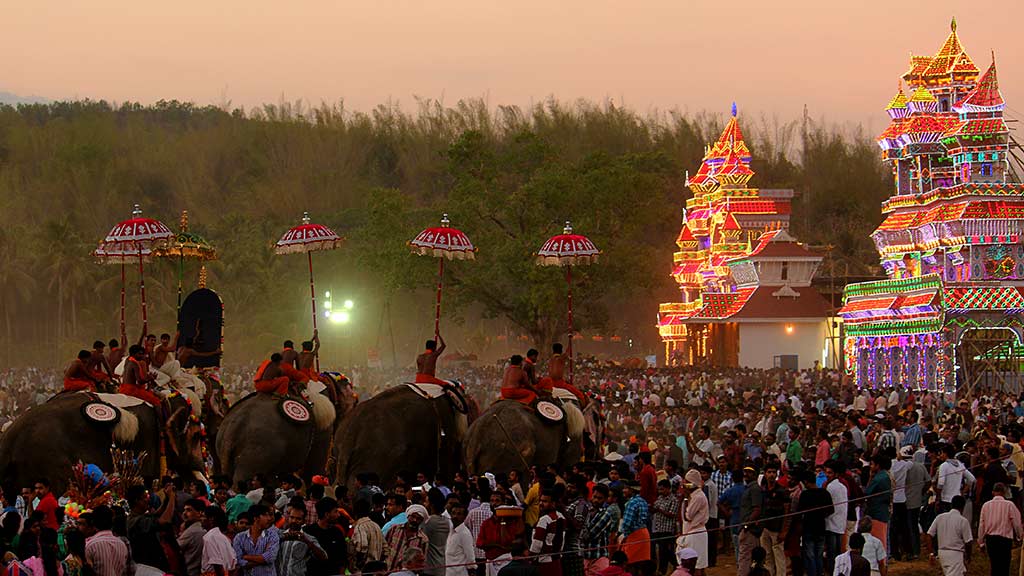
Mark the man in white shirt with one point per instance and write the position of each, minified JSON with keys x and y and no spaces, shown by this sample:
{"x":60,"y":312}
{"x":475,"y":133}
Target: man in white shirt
{"x":218,"y":554}
{"x":952,"y":477}
{"x":951,"y":537}
{"x":459,"y":552}
{"x":835,"y":523}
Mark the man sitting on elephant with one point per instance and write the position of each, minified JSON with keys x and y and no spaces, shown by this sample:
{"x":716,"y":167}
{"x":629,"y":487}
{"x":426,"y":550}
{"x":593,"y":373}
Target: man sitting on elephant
{"x":426,"y":363}
{"x":136,"y":376}
{"x":515,"y":384}
{"x":78,"y":376}
{"x":307,"y":358}
{"x":275,"y":377}
{"x":556,"y":376}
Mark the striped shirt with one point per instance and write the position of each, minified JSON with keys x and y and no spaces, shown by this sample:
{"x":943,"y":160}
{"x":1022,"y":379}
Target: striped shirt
{"x":999,"y":517}
{"x":634,"y":517}
{"x":548,"y":536}
{"x":597,"y":533}
{"x":475,"y":519}
{"x":106,"y":554}
{"x":266,"y":546}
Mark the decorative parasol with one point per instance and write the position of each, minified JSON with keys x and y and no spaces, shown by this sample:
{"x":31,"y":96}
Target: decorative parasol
{"x":568,"y":250}
{"x":442,"y":242}
{"x":186,"y":244}
{"x":308,"y":238}
{"x":133,"y":239}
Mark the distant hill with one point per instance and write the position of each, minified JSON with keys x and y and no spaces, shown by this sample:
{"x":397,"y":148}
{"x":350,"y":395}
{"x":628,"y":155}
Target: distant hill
{"x":12,"y":99}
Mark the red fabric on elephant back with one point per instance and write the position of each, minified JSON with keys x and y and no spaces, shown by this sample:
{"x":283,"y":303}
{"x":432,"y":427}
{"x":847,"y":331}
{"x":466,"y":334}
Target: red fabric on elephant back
{"x":523,"y":395}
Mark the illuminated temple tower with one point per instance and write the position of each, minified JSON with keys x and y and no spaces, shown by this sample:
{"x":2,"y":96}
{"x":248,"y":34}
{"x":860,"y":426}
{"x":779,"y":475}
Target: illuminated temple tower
{"x":950,"y":242}
{"x":745,"y":283}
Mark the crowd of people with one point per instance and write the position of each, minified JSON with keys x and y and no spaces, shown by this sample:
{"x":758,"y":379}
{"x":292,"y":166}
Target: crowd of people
{"x":770,"y":471}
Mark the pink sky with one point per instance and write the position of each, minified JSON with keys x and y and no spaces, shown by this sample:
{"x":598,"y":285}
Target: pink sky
{"x":840,"y":59}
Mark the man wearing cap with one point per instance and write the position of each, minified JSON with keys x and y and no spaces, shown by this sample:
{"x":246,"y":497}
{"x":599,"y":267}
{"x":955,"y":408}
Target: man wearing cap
{"x":695,"y":517}
{"x":688,"y":559}
{"x":950,"y":537}
{"x":750,"y":513}
{"x":406,"y":536}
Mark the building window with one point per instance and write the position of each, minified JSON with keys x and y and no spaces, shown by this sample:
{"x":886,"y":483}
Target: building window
{"x":986,"y":169}
{"x":785,"y":270}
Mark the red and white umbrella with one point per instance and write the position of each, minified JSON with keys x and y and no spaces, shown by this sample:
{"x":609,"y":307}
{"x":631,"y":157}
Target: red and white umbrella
{"x":568,"y":250}
{"x":133,"y":240}
{"x":308,"y":238}
{"x":442,"y":242}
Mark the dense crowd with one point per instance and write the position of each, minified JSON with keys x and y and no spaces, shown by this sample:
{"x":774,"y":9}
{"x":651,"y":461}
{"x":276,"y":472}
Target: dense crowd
{"x":777,"y":472}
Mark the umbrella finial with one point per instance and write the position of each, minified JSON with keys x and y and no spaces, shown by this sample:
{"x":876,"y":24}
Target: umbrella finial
{"x":444,"y":220}
{"x":136,"y":211}
{"x":305,"y":217}
{"x":184,"y":221}
{"x":568,"y":227}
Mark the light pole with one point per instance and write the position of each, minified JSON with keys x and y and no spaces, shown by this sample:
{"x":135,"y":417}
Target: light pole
{"x":343,"y":317}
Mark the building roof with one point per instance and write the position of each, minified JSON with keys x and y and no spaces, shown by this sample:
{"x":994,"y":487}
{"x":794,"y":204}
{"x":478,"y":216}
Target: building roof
{"x":892,"y":300}
{"x":778,"y":244}
{"x":977,"y":127}
{"x":950,"y":57}
{"x":985,"y":298}
{"x":899,"y":100}
{"x":722,"y":305}
{"x":986,"y":94}
{"x":766,"y":303}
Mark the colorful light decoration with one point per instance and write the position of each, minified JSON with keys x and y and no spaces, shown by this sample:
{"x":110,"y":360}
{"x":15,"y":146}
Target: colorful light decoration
{"x":952,"y":223}
{"x":725,"y":219}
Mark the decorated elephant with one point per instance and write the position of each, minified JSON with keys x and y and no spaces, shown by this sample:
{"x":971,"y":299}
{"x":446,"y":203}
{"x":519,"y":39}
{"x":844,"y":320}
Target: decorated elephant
{"x":511,"y":435}
{"x":408,"y":428}
{"x":271,"y":434}
{"x":50,"y":438}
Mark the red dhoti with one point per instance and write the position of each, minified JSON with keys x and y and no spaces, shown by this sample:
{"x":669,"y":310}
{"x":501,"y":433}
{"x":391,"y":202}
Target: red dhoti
{"x":524,"y":395}
{"x":428,"y":379}
{"x":141,"y":393}
{"x":547,"y":383}
{"x":638,"y":546}
{"x":76,"y":384}
{"x":277,"y":385}
{"x":311,"y":375}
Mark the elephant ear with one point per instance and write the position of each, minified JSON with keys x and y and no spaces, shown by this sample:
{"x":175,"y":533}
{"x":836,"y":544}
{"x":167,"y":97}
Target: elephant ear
{"x":457,"y":399}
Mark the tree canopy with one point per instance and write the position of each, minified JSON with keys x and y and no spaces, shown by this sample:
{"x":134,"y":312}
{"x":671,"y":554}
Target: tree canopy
{"x":509,"y":177}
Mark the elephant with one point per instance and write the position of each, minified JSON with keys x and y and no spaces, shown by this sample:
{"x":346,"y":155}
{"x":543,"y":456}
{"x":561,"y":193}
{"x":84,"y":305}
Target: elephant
{"x":404,"y":429}
{"x":257,"y":437}
{"x":510,"y":435}
{"x":50,"y":438}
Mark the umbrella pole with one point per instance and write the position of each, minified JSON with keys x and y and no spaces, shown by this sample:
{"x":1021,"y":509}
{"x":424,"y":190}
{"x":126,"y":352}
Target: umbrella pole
{"x":437,"y":311}
{"x":124,"y":276}
{"x":181,"y":275}
{"x":312,"y":296}
{"x":142,"y":292}
{"x":568,"y":280}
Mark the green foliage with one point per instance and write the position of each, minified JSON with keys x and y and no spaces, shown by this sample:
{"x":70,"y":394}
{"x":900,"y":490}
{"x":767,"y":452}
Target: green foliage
{"x":509,"y":177}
